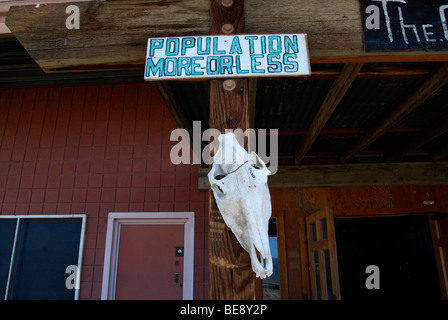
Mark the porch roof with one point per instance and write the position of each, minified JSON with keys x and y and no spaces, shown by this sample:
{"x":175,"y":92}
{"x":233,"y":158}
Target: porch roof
{"x":419,"y":134}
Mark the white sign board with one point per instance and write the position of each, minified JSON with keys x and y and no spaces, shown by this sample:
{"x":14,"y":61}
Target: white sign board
{"x":227,"y":56}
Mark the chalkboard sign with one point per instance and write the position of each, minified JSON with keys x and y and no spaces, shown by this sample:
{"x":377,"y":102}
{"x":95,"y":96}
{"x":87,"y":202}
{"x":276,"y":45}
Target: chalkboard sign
{"x":405,"y":24}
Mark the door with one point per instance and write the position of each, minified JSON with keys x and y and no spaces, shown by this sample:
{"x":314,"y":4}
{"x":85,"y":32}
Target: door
{"x":149,"y":256}
{"x":322,"y":256}
{"x":386,"y":258}
{"x":149,"y":266}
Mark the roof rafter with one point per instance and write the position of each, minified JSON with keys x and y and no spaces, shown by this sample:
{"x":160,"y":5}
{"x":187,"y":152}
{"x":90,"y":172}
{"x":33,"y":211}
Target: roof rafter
{"x":431,"y":84}
{"x":440,"y":153}
{"x":419,"y":139}
{"x":332,"y":100}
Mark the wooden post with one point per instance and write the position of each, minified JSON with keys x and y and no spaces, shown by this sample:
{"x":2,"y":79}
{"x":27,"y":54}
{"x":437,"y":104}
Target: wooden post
{"x":231,"y":276}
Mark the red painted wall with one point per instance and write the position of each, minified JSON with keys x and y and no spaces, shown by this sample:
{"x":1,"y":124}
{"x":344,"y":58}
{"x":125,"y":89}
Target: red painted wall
{"x":96,"y":149}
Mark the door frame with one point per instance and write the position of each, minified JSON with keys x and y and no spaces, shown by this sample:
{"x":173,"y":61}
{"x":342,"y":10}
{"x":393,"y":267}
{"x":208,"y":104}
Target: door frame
{"x":279,"y":216}
{"x":374,"y":212}
{"x":114,"y":223}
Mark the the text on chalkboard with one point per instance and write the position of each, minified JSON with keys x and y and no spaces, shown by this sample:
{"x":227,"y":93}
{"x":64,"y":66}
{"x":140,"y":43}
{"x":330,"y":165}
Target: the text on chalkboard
{"x":405,"y":24}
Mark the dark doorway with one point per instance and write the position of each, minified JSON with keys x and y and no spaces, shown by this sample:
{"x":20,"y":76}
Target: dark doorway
{"x":402,"y":249}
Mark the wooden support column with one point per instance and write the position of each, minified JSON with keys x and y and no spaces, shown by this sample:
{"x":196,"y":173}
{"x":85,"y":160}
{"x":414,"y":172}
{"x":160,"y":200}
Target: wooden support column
{"x":231,"y":275}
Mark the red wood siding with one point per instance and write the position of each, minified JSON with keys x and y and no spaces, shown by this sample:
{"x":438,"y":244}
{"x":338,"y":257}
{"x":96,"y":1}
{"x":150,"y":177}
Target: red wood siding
{"x":96,"y":149}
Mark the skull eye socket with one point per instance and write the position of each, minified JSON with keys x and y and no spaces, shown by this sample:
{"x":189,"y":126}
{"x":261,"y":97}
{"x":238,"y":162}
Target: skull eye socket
{"x":220,"y":177}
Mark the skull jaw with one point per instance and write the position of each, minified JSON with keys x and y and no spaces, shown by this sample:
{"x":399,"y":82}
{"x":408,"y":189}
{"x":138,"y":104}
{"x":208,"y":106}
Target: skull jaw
{"x":263,"y":268}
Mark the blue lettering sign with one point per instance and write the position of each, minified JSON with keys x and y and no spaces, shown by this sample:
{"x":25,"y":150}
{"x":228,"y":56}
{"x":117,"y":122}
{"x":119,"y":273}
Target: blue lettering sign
{"x":206,"y":51}
{"x":254,"y":63}
{"x":290,"y":65}
{"x":275,"y":44}
{"x":215,"y":47}
{"x":229,"y":55}
{"x":195,"y":65}
{"x":172,"y":47}
{"x":212,"y":65}
{"x":184,"y":64}
{"x":170,"y":66}
{"x":187,"y":43}
{"x":238,"y":66}
{"x":155,"y":44}
{"x":272,"y":63}
{"x":236,"y":46}
{"x":152,"y":69}
{"x":251,"y":42}
{"x":292,"y":45}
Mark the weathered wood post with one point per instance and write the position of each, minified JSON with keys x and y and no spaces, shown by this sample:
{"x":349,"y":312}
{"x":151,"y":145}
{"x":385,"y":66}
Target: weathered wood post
{"x":231,"y":276}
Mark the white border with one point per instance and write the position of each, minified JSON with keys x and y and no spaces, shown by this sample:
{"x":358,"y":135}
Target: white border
{"x":83,"y":217}
{"x":116,"y":219}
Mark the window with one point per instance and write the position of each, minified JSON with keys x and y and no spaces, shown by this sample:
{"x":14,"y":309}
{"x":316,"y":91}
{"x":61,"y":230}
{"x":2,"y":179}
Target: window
{"x":40,"y":256}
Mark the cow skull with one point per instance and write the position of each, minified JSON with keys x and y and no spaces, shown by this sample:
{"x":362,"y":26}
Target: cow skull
{"x":239,"y":184}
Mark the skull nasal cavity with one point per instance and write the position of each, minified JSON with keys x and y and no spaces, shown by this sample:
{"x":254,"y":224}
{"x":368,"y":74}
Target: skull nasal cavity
{"x":259,"y":256}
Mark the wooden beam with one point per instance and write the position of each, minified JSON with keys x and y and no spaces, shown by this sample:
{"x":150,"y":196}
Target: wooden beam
{"x":332,"y":100}
{"x":364,"y":73}
{"x":370,"y":72}
{"x":231,"y":275}
{"x":419,"y":139}
{"x":385,"y":212}
{"x":334,"y":30}
{"x":113,"y":34}
{"x":5,"y":5}
{"x":358,"y":175}
{"x":343,"y":131}
{"x":416,"y":97}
